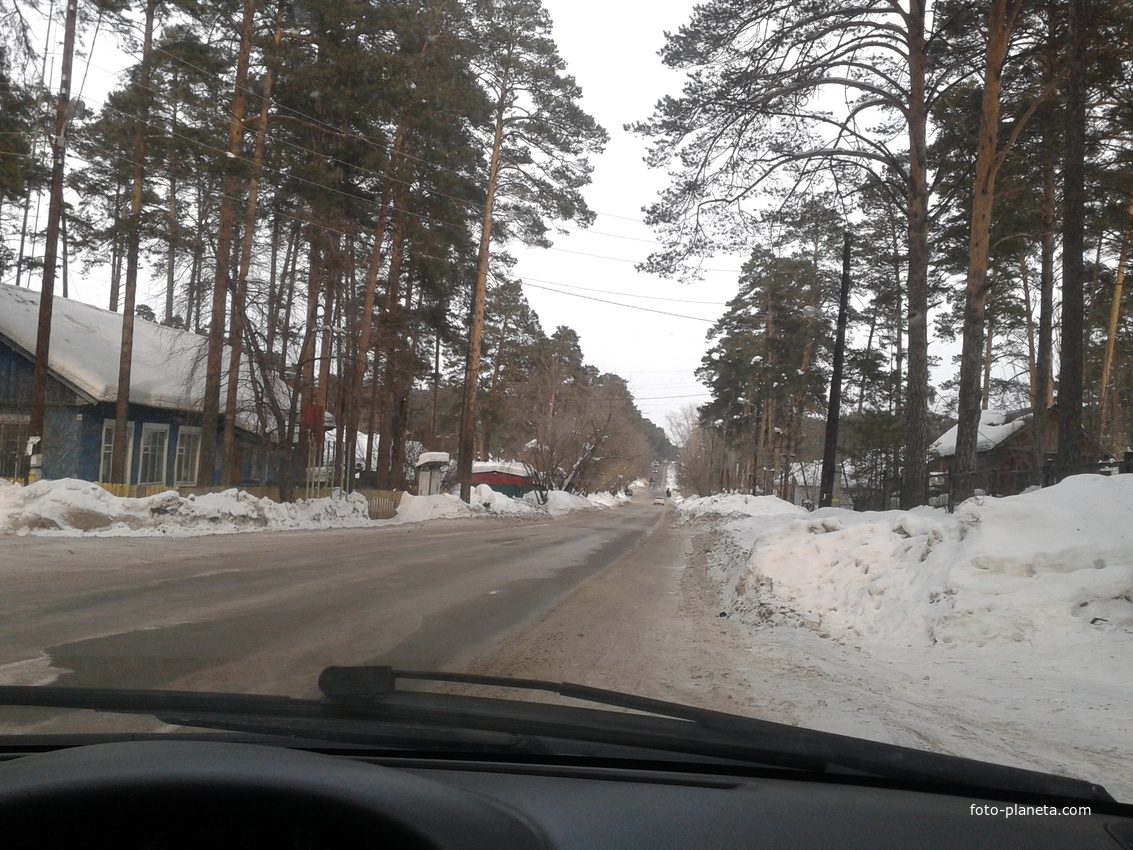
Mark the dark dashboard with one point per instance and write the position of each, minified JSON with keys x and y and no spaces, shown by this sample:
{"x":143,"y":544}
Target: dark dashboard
{"x":157,"y":794}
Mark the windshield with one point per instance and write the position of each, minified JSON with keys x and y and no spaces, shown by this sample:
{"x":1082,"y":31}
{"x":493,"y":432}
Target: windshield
{"x":772,"y":359}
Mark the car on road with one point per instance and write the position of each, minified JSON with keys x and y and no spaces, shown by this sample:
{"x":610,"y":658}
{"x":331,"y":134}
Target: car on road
{"x":658,"y":501}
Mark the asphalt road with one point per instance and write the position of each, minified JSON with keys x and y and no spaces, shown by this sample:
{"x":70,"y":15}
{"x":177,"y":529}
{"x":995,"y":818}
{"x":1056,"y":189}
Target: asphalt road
{"x":266,"y":612}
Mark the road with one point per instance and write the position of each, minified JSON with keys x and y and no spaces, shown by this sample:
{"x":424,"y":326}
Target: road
{"x":265,"y":612}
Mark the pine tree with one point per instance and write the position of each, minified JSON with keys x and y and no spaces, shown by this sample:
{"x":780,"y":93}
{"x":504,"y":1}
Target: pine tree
{"x":539,"y":142}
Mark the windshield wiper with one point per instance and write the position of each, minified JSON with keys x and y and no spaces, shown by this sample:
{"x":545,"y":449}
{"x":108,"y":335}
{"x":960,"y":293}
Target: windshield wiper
{"x":364,"y":705}
{"x":714,"y":733}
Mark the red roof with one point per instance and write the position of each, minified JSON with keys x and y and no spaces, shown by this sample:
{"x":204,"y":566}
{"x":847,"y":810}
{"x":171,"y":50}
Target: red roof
{"x":492,"y":477}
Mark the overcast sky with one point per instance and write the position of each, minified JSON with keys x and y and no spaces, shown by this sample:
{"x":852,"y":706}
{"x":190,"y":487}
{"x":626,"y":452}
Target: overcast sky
{"x":611,"y":49}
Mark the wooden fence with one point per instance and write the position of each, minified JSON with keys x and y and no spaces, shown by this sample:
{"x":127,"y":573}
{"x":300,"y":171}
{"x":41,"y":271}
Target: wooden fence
{"x":383,"y":503}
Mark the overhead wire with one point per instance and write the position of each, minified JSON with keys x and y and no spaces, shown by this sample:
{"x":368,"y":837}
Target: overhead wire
{"x":619,"y":304}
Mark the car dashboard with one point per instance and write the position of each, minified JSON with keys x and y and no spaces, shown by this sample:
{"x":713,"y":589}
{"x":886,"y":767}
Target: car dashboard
{"x":157,"y":794}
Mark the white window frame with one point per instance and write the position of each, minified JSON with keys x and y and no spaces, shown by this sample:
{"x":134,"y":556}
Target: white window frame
{"x":154,"y":428}
{"x":182,"y":432}
{"x":107,"y":447}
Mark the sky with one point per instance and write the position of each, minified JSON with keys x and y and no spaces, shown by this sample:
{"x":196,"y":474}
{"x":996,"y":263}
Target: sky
{"x":611,"y":49}
{"x":647,"y":329}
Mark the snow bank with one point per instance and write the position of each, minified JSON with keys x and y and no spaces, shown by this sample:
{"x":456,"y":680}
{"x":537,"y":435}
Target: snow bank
{"x":1040,"y":568}
{"x":733,"y":505}
{"x":560,"y":502}
{"x":70,"y":507}
{"x":73,"y":507}
{"x":607,"y":500}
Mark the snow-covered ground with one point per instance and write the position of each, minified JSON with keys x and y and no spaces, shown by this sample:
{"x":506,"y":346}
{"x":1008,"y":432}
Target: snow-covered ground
{"x":72,"y":507}
{"x":1003,"y":631}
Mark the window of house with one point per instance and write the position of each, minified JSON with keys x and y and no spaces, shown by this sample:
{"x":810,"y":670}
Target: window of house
{"x":154,"y":451}
{"x":13,"y":445}
{"x":108,"y":448}
{"x":188,"y":455}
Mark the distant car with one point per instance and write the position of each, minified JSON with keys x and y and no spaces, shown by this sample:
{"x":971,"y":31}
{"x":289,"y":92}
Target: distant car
{"x":658,"y":501}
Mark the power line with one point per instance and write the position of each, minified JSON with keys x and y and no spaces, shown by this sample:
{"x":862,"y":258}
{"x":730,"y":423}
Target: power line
{"x":627,"y":294}
{"x":619,"y":304}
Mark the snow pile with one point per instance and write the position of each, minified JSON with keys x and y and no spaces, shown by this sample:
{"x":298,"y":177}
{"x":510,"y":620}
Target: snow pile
{"x":70,"y":507}
{"x":491,"y":501}
{"x":1040,"y":568}
{"x":424,"y":508}
{"x":560,"y":502}
{"x":606,"y":500}
{"x":732,"y":505}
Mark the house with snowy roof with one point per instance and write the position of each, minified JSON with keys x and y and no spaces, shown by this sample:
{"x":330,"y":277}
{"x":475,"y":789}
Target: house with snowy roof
{"x":1006,"y":452}
{"x":166,"y":393}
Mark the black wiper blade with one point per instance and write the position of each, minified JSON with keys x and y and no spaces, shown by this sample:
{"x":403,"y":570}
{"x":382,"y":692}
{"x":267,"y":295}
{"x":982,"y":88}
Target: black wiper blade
{"x":368,"y":696}
{"x":279,"y":716}
{"x":708,"y":732}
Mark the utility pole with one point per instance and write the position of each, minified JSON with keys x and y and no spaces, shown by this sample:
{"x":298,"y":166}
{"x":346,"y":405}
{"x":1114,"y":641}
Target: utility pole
{"x":834,"y":409}
{"x":36,"y":447}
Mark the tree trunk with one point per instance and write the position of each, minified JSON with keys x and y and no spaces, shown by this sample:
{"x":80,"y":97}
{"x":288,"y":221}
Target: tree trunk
{"x":230,"y":475}
{"x":118,"y":472}
{"x":1105,"y":431}
{"x":1029,"y":318}
{"x":193,"y":308}
{"x":1000,"y":22}
{"x":172,"y":227}
{"x":914,"y":481}
{"x":38,"y":416}
{"x":393,"y":353}
{"x":989,"y":352}
{"x":476,"y":319}
{"x":211,"y":404}
{"x":1073,"y":244}
{"x":115,"y":251}
{"x":369,"y":298}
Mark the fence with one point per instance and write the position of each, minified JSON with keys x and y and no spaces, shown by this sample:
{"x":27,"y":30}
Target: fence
{"x":383,"y":503}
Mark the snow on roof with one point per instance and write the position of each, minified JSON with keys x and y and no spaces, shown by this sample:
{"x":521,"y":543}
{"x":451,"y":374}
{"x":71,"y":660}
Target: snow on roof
{"x":168,"y":366}
{"x":506,"y":467}
{"x":432,"y":457}
{"x":995,"y":427}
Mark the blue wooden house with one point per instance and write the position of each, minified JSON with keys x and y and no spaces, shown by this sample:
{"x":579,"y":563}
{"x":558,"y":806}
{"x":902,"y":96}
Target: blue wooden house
{"x":166,"y":389}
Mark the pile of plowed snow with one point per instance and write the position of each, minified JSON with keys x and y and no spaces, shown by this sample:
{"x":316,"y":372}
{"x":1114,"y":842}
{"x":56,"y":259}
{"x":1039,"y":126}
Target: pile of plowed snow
{"x":1040,"y":567}
{"x":73,"y":507}
{"x":70,"y":506}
